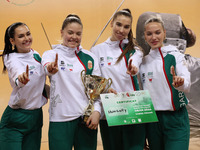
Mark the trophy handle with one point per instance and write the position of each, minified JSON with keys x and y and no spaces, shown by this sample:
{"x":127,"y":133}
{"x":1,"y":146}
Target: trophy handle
{"x":110,"y":82}
{"x":82,"y":77}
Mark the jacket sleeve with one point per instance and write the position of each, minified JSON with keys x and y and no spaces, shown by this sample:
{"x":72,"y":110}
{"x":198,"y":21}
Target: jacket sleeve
{"x":182,"y":71}
{"x":48,"y":57}
{"x":14,"y":68}
{"x":136,"y":58}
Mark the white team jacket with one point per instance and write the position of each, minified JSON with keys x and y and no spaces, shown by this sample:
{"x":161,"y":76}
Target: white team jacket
{"x":67,"y":97}
{"x":107,"y":54}
{"x":29,"y":96}
{"x":155,"y":78}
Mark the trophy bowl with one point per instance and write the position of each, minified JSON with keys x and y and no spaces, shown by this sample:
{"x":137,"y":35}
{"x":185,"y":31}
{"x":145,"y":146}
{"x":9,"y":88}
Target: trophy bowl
{"x":94,"y":86}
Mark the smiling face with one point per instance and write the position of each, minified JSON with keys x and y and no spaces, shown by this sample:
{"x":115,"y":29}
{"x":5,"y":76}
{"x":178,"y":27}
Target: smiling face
{"x":154,"y":34}
{"x":72,"y":34}
{"x":22,"y":39}
{"x":120,"y":27}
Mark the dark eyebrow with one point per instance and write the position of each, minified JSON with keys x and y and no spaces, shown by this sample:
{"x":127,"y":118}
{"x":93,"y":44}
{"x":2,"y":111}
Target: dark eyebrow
{"x":127,"y":25}
{"x":28,"y":32}
{"x":20,"y":34}
{"x":118,"y":22}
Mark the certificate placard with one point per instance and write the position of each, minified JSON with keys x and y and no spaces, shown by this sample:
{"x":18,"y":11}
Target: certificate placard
{"x":128,"y":108}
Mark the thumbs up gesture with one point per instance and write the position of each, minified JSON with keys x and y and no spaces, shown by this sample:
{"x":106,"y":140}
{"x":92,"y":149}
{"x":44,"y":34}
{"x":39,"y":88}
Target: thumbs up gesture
{"x":53,"y":66}
{"x":24,"y":77}
{"x":177,"y":81}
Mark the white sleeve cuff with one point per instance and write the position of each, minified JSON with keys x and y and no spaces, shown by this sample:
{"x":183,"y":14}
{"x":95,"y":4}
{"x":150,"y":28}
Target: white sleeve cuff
{"x":97,"y":106}
{"x":18,"y":83}
{"x":185,"y":87}
{"x":46,"y":71}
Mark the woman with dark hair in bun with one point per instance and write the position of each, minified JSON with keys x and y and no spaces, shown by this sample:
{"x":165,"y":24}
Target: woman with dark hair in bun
{"x":21,"y":122}
{"x":64,"y":64}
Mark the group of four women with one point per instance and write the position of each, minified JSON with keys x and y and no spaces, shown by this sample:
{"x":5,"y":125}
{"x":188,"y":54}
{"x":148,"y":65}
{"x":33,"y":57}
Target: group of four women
{"x":162,"y":72}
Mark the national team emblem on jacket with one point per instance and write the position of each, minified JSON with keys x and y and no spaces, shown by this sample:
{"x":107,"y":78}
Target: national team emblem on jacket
{"x":70,"y":67}
{"x":109,"y":60}
{"x":89,"y":64}
{"x":150,"y":76}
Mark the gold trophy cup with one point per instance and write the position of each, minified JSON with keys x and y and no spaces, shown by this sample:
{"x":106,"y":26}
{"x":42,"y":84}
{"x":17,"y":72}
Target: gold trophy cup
{"x":94,"y":86}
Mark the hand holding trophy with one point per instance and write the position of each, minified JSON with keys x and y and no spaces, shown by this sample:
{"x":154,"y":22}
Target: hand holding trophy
{"x":94,"y":86}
